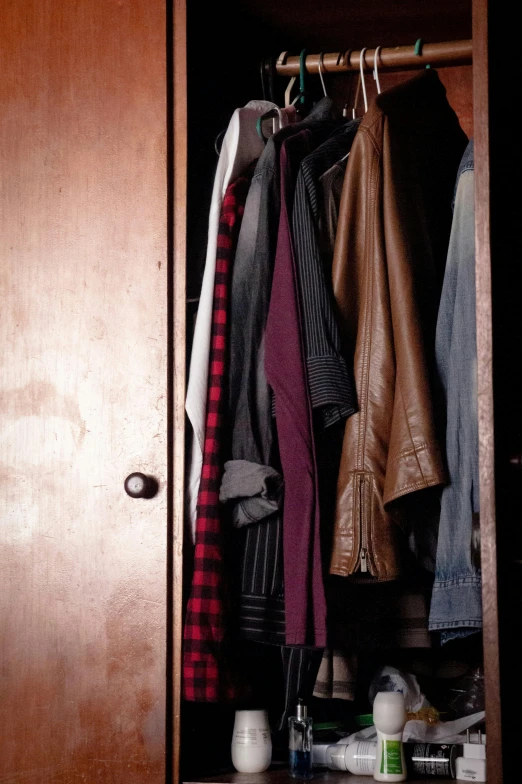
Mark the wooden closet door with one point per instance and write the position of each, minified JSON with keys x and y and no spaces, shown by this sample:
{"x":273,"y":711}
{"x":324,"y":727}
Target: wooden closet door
{"x":83,"y":348}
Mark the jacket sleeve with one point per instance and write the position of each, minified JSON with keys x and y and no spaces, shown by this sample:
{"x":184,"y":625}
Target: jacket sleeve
{"x":414,"y":457}
{"x":249,"y":396}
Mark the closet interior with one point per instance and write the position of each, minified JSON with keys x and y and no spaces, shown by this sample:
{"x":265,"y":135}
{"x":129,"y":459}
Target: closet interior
{"x":249,"y":50}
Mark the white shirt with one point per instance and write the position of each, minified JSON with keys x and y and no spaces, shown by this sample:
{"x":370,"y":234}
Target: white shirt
{"x":241,"y":145}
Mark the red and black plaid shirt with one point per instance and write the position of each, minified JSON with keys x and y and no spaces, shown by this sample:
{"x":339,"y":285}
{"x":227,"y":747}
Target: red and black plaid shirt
{"x":207,"y":676}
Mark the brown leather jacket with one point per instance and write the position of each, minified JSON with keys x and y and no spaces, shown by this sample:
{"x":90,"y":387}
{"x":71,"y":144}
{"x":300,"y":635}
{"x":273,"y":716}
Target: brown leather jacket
{"x":390,"y":251}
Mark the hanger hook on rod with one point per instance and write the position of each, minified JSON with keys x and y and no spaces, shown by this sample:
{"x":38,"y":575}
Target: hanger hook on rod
{"x":375,"y":68}
{"x":361,"y":70}
{"x":320,"y":66}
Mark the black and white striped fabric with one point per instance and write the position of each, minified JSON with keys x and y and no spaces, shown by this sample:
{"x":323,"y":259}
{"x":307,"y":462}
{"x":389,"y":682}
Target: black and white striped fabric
{"x":330,"y":379}
{"x":262,"y":604}
{"x":300,"y":667}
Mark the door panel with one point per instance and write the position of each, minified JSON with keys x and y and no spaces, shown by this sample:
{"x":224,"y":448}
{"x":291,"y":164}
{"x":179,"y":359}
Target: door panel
{"x":83,"y":337}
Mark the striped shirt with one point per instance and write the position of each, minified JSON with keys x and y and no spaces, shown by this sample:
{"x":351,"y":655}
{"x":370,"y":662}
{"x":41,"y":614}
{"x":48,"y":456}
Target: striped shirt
{"x":330,"y":378}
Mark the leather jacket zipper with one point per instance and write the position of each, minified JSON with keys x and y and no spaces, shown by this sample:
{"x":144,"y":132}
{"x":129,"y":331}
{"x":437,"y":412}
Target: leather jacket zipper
{"x":364,"y":539}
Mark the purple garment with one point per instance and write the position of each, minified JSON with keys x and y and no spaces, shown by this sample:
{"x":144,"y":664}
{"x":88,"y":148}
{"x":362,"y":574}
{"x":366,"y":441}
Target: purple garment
{"x":285,"y":370}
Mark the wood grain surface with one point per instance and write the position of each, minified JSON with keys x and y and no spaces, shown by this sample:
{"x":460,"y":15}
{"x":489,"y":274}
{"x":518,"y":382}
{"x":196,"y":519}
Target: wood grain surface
{"x":177,"y":429}
{"x":83,"y":390}
{"x":488,"y":527}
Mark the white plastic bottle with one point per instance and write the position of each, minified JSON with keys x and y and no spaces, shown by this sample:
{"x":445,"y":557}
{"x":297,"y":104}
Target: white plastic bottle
{"x":357,"y":757}
{"x":251,"y":741}
{"x":389,"y":717}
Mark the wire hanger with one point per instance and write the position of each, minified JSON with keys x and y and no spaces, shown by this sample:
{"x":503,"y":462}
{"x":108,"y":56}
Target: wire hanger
{"x":375,"y":70}
{"x":320,"y":66}
{"x":219,"y":137}
{"x":361,"y":69}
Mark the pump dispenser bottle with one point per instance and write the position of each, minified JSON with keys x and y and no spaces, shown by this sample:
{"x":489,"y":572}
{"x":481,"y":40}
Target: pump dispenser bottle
{"x":389,"y":717}
{"x":300,"y":743}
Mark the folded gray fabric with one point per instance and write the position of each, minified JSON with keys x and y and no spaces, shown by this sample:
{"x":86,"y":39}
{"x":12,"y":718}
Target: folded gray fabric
{"x":256,"y":489}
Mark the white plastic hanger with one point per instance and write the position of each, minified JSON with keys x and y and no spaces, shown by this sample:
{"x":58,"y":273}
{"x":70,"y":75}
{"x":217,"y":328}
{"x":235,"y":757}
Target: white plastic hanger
{"x":320,"y":66}
{"x":361,"y":68}
{"x":375,"y":71}
{"x":288,"y":92}
{"x":356,"y":99}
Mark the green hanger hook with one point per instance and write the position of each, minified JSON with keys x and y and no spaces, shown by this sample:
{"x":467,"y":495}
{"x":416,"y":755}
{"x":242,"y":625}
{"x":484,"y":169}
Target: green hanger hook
{"x":418,"y":49}
{"x":302,"y":77}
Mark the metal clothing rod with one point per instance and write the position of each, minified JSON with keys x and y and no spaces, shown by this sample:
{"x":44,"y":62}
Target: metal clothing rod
{"x":393,"y":58}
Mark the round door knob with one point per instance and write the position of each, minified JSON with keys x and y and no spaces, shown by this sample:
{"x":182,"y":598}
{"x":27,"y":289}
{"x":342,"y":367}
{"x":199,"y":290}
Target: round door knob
{"x":139,"y":485}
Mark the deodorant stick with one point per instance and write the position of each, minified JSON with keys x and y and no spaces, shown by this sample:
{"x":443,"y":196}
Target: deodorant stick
{"x":389,"y":717}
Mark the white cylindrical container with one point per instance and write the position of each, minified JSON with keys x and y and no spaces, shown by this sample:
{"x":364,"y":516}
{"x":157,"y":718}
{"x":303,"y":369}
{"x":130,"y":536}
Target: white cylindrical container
{"x":389,"y":717}
{"x":357,"y":757}
{"x":251,"y":741}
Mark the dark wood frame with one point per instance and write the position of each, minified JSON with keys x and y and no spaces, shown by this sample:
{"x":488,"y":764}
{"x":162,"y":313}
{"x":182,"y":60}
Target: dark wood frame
{"x":179,"y":262}
{"x":488,"y":526}
{"x":485,"y":377}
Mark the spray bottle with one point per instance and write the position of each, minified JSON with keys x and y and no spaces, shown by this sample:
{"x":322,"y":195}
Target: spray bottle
{"x":389,"y":716}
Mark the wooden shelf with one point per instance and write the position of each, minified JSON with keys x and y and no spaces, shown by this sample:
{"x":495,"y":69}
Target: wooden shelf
{"x":280,"y":776}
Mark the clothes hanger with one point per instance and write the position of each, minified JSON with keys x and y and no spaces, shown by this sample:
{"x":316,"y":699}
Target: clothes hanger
{"x":361,"y":69}
{"x":375,"y":70}
{"x":356,"y":101}
{"x":288,"y":92}
{"x":273,"y":114}
{"x":320,"y":66}
{"x":281,"y":60}
{"x":346,"y":59}
{"x":267,"y":73}
{"x":220,"y":135}
{"x":302,"y":97}
{"x":418,"y":50}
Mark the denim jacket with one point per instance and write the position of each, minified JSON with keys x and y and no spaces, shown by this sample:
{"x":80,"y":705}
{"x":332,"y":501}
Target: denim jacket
{"x":456,"y":608}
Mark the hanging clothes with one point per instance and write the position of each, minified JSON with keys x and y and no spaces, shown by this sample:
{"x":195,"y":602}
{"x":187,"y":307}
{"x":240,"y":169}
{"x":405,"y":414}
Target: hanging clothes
{"x":206,"y":671}
{"x":331,"y":188}
{"x":391,"y":245}
{"x":241,"y":145}
{"x":305,"y":607}
{"x":330,"y":376}
{"x":262,"y":612}
{"x":456,"y":605}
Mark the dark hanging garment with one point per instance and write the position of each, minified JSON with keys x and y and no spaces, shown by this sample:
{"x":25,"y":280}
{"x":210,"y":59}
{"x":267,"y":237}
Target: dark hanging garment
{"x":286,"y":373}
{"x":262,"y":609}
{"x":330,"y":374}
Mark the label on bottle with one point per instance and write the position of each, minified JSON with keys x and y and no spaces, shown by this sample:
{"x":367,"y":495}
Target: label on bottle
{"x":391,"y":757}
{"x":364,"y":756}
{"x":252,"y":737}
